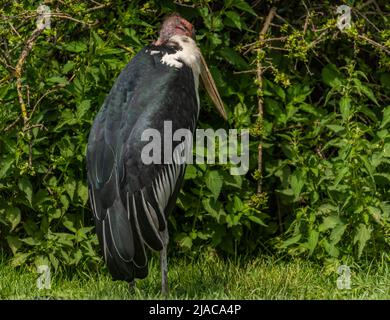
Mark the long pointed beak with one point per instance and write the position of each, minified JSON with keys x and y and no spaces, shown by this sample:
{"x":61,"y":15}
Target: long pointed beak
{"x":211,"y":88}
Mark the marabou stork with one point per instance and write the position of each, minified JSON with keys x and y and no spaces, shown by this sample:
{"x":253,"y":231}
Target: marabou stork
{"x":131,"y":200}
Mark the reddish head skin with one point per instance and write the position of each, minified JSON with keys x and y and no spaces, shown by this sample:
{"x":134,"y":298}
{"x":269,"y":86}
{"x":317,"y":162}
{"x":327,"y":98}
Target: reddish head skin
{"x":174,"y":25}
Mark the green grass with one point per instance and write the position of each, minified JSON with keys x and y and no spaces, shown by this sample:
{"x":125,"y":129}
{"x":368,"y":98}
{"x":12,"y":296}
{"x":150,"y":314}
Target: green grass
{"x":212,"y":278}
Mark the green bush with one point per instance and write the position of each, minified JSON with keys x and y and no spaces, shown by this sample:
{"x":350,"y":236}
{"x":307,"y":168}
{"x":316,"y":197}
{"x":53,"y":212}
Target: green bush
{"x":325,"y":133}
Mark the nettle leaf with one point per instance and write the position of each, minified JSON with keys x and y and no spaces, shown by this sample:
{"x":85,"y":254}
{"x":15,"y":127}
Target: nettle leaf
{"x":213,"y":207}
{"x":26,"y":186}
{"x":244,"y":6}
{"x":82,"y":192}
{"x":337,"y":233}
{"x":13,"y":216}
{"x":297,"y":182}
{"x":234,"y":181}
{"x":82,"y":108}
{"x":184,"y":240}
{"x":235,"y":18}
{"x":312,"y":241}
{"x":69,"y":225}
{"x":70,"y":188}
{"x":382,"y":179}
{"x":75,"y":46}
{"x":238,"y":205}
{"x":335,"y":128}
{"x":331,"y":76}
{"x":57,"y":80}
{"x":191,"y":172}
{"x":362,"y":235}
{"x":331,"y":249}
{"x":5,"y":165}
{"x":329,"y":223}
{"x":365,"y":90}
{"x":68,"y":67}
{"x":385,"y":118}
{"x":340,"y":176}
{"x":233,"y":57}
{"x":214,"y":182}
{"x":291,"y":241}
{"x":345,"y":107}
{"x":257,"y":220}
{"x":14,"y":243}
{"x":20,"y":258}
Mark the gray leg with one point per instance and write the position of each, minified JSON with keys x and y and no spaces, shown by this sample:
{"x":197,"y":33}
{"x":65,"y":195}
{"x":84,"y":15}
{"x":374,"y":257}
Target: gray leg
{"x":132,"y":286}
{"x":164,"y":263}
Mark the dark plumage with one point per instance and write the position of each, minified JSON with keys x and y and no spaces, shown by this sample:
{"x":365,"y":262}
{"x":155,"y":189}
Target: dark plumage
{"x":146,"y":93}
{"x":131,"y":200}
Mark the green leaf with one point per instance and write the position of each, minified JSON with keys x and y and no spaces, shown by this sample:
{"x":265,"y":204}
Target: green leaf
{"x":75,"y":46}
{"x":331,"y":76}
{"x":362,"y":235}
{"x":70,"y":188}
{"x":65,"y":202}
{"x":382,"y":179}
{"x":233,"y":181}
{"x":213,"y":207}
{"x":335,"y":127}
{"x":361,"y":88}
{"x":82,"y":108}
{"x":244,"y":6}
{"x":14,"y":243}
{"x":5,"y":165}
{"x":13,"y":216}
{"x":238,"y":205}
{"x":385,"y":118}
{"x":276,"y":89}
{"x":30,"y":226}
{"x":184,"y":240}
{"x":214,"y":182}
{"x":291,"y":241}
{"x":337,"y":232}
{"x":345,"y":107}
{"x":331,"y":249}
{"x":68,"y":67}
{"x":20,"y":258}
{"x":191,"y":172}
{"x":297,"y":182}
{"x":385,"y":80}
{"x":257,"y":220}
{"x":69,"y":225}
{"x":342,"y":173}
{"x":57,"y":80}
{"x":312,"y":240}
{"x":329,"y":223}
{"x":233,"y":58}
{"x":31,"y":241}
{"x":82,"y":192}
{"x":235,"y":18}
{"x":26,"y":186}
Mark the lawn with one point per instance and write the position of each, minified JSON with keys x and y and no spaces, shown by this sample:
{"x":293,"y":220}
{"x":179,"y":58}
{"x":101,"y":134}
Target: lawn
{"x":212,"y":278}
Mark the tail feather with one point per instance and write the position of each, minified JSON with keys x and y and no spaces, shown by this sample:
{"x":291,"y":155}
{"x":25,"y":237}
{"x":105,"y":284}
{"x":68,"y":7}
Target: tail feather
{"x":120,"y":242}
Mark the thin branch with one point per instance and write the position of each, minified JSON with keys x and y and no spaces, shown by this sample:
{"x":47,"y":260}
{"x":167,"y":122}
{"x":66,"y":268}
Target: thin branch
{"x":10,"y":126}
{"x":374,"y":43}
{"x":98,"y":7}
{"x":368,"y":20}
{"x":39,"y":100}
{"x":284,"y":20}
{"x":184,"y":5}
{"x":260,"y":101}
{"x":19,"y":68}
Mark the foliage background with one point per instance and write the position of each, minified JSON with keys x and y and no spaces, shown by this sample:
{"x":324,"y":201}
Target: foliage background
{"x":325,"y":133}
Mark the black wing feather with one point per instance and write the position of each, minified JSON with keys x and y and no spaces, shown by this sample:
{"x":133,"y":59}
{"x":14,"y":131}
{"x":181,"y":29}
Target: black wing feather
{"x":131,"y":200}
